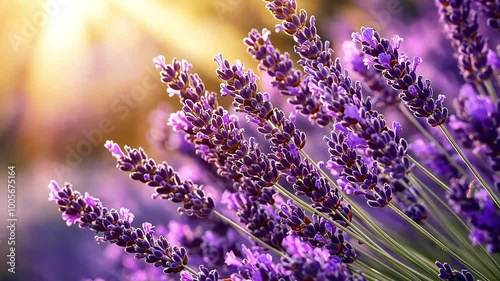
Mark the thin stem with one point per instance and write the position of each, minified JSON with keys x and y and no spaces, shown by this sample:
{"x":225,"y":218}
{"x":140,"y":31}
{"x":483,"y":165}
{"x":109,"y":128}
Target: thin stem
{"x":471,"y":168}
{"x":429,"y":174}
{"x":381,"y":264}
{"x":192,"y":271}
{"x":402,"y":250}
{"x":244,"y":231}
{"x":464,"y":228}
{"x":426,"y":134}
{"x":436,"y":241}
{"x":490,"y":90}
{"x":366,"y":240}
{"x":369,"y":271}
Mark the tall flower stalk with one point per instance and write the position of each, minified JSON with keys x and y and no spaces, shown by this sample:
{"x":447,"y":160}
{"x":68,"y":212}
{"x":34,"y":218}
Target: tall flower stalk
{"x":300,"y":213}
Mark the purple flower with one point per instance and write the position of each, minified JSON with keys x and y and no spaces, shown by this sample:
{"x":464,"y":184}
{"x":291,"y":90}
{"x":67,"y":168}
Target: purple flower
{"x":493,"y":59}
{"x":114,"y":148}
{"x":447,"y":273}
{"x":471,"y":49}
{"x":381,"y":93}
{"x":115,"y":227}
{"x":401,"y":75}
{"x":254,"y":266}
{"x":203,"y":275}
{"x":288,"y":80}
{"x":491,"y":9}
{"x":477,"y":107}
{"x":167,"y":183}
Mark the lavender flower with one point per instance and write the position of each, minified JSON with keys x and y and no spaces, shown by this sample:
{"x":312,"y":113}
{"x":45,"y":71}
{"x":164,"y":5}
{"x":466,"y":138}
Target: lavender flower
{"x":491,"y":9}
{"x":447,"y":273}
{"x":318,"y":232}
{"x":261,"y":220}
{"x":363,"y":179}
{"x":115,"y":227}
{"x":203,"y":275}
{"x":288,"y":80}
{"x":167,"y":183}
{"x":461,"y":25}
{"x":266,"y":173}
{"x":475,"y":123}
{"x":254,"y":266}
{"x":401,"y":74}
{"x":382,"y":94}
{"x":308,"y":263}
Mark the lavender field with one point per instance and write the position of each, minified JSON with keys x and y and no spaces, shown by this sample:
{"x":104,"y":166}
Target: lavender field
{"x":250,"y":140}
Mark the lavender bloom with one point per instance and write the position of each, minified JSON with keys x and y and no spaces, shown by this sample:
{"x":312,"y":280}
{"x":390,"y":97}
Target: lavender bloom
{"x":471,"y":49}
{"x":475,"y":124}
{"x":363,"y":178}
{"x":254,"y":266}
{"x":491,"y":9}
{"x":447,"y":273}
{"x":214,"y":244}
{"x":284,"y":138}
{"x":341,"y":98}
{"x":383,"y":94}
{"x":486,"y":228}
{"x":494,"y":59}
{"x":318,"y":232}
{"x":167,"y":183}
{"x":203,"y":275}
{"x":262,"y":221}
{"x":401,"y":75}
{"x":115,"y":227}
{"x":308,"y":263}
{"x":288,"y":80}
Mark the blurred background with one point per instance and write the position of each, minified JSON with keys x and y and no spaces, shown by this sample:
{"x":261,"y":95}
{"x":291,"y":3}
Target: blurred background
{"x":74,"y":74}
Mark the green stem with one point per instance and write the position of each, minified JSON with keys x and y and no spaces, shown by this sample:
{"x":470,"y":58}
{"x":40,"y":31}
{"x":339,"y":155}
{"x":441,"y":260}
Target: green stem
{"x":357,"y":211}
{"x":458,"y":226}
{"x":192,"y":271}
{"x":244,"y":231}
{"x":426,"y":134}
{"x":366,"y":240}
{"x":429,"y":174}
{"x":373,"y":274}
{"x":490,"y":90}
{"x":471,"y":168}
{"x":436,"y":241}
{"x":381,"y":264}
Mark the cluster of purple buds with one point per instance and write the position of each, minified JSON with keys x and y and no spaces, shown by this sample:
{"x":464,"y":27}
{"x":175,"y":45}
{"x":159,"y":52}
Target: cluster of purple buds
{"x":115,"y":227}
{"x":262,"y":220}
{"x":381,"y":93}
{"x":288,"y":80}
{"x":475,"y":124}
{"x":400,"y":73}
{"x":317,"y":232}
{"x":447,"y":273}
{"x":461,"y":25}
{"x":491,"y":9}
{"x":167,"y":183}
{"x":285,"y":139}
{"x":360,"y":177}
{"x":343,"y":101}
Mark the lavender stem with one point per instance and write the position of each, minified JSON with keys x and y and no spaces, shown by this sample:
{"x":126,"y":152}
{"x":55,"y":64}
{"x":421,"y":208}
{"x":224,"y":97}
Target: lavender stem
{"x":471,"y":168}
